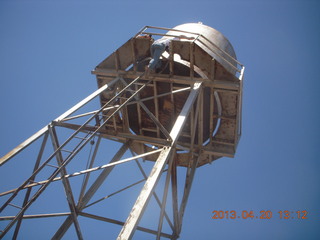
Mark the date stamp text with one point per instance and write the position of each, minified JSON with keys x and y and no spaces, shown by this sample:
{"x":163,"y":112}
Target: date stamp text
{"x":263,"y":214}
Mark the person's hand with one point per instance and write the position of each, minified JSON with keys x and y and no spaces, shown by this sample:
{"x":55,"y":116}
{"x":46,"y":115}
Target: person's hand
{"x":186,"y":37}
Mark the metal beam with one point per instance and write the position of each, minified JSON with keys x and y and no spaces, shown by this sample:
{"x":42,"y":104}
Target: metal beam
{"x":37,"y":135}
{"x":26,"y":198}
{"x":121,"y":136}
{"x":195,"y":123}
{"x":65,"y":181}
{"x":155,"y":195}
{"x":87,"y":175}
{"x":58,"y":169}
{"x":156,"y":105}
{"x":150,"y":114}
{"x":200,"y":121}
{"x":138,"y":209}
{"x":141,"y":203}
{"x":6,"y":218}
{"x":87,"y":171}
{"x":43,"y":187}
{"x":164,"y":197}
{"x":187,"y":188}
{"x":147,"y":230}
{"x":177,"y":128}
{"x":76,"y":149}
{"x":91,"y":191}
{"x":215,"y":83}
{"x":114,"y":193}
{"x":175,"y":209}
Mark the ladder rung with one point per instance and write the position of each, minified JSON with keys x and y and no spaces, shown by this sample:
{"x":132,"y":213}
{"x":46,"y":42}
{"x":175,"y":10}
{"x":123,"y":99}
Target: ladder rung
{"x":51,"y":165}
{"x":64,"y":150}
{"x":109,"y":125}
{"x":105,"y":116}
{"x":12,"y":205}
{"x":149,"y":129}
{"x":183,"y":134}
{"x":82,"y":138}
{"x":222,"y":143}
{"x":125,"y":98}
{"x":141,"y":84}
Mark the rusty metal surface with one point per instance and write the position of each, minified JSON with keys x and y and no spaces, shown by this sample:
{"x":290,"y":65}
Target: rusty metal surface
{"x":222,"y":114}
{"x":210,"y":39}
{"x":187,"y":113}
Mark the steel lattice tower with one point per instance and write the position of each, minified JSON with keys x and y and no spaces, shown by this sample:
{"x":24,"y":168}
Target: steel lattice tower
{"x":183,"y":116}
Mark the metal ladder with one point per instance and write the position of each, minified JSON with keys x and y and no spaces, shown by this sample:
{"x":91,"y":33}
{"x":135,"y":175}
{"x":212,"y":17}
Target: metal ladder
{"x":126,"y":94}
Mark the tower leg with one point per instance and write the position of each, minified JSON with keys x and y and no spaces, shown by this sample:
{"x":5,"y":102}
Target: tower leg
{"x":94,"y":187}
{"x":166,"y":156}
{"x":137,"y":211}
{"x":44,"y":130}
{"x":143,"y":199}
{"x":66,"y":183}
{"x":27,"y":196}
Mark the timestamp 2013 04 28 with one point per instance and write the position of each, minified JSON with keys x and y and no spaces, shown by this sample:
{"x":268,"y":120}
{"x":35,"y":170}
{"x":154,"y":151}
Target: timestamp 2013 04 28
{"x":262,"y":214}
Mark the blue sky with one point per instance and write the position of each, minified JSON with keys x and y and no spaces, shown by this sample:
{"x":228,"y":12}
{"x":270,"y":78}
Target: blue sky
{"x":48,"y":49}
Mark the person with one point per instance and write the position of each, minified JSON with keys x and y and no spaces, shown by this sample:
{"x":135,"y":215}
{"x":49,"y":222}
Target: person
{"x":147,"y":36}
{"x":156,"y":50}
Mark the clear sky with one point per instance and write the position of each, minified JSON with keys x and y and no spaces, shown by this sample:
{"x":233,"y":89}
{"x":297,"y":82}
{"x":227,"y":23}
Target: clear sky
{"x":48,"y":48}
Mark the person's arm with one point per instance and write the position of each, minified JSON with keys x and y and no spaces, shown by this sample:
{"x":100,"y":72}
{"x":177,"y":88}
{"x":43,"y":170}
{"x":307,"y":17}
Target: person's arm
{"x":185,"y":37}
{"x":148,"y":36}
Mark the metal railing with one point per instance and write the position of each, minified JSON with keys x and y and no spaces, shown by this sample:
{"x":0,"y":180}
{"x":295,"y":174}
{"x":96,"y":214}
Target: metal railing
{"x":235,"y":64}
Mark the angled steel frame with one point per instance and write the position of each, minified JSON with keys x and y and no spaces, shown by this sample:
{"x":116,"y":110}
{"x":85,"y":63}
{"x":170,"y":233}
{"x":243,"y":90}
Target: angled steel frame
{"x":84,"y":134}
{"x":93,"y":127}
